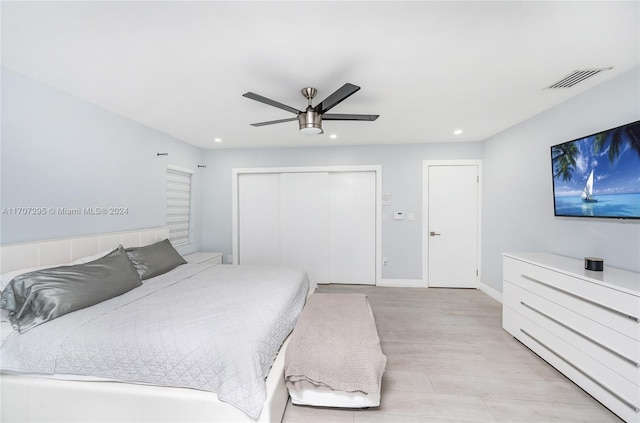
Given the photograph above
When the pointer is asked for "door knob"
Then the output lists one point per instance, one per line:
(434, 233)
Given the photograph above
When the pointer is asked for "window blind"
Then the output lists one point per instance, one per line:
(178, 204)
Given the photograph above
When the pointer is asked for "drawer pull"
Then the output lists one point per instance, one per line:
(577, 332)
(628, 403)
(613, 310)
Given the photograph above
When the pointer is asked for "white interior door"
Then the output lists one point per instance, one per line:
(453, 226)
(304, 227)
(258, 218)
(352, 216)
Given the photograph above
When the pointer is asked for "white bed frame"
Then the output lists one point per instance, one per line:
(33, 399)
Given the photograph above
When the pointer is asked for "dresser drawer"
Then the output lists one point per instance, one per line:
(618, 394)
(618, 352)
(615, 309)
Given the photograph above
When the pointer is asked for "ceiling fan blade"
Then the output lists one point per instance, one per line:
(334, 99)
(331, 116)
(270, 102)
(271, 122)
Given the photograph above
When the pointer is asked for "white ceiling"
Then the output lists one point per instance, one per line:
(427, 68)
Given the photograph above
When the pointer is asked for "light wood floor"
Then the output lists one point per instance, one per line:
(449, 360)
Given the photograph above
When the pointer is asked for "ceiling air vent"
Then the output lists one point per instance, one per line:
(576, 76)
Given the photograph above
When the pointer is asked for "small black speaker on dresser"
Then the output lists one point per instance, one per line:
(594, 263)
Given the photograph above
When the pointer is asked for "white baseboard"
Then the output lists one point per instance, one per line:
(496, 295)
(402, 283)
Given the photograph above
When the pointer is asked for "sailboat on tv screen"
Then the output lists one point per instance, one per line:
(587, 192)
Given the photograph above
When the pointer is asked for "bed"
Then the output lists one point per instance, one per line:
(154, 353)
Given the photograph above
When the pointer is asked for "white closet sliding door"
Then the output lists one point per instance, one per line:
(259, 218)
(304, 223)
(323, 222)
(352, 218)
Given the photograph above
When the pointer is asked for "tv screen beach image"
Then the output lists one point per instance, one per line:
(598, 175)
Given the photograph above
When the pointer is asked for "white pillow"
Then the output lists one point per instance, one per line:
(92, 257)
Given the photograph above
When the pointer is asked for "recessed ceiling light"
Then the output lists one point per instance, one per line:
(217, 139)
(333, 136)
(457, 131)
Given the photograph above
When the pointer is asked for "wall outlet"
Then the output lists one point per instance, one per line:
(385, 260)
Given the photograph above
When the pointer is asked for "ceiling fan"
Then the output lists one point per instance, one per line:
(310, 120)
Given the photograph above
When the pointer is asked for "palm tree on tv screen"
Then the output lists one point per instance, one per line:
(617, 138)
(564, 160)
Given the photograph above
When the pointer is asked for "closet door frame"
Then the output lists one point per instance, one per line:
(377, 169)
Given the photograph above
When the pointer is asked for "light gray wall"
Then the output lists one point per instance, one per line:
(60, 151)
(401, 176)
(517, 190)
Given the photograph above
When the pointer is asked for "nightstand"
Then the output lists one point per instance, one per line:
(210, 258)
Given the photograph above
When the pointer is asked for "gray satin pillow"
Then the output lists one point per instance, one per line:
(155, 259)
(36, 297)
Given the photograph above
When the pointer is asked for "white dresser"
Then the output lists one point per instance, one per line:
(584, 323)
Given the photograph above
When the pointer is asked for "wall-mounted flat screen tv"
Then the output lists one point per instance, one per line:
(598, 175)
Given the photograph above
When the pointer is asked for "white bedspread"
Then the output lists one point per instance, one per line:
(210, 328)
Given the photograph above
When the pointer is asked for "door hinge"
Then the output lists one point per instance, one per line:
(477, 272)
(478, 179)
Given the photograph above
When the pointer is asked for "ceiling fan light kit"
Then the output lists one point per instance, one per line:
(310, 123)
(310, 120)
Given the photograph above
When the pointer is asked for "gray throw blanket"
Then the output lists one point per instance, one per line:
(335, 345)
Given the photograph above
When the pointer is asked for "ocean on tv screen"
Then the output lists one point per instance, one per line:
(610, 205)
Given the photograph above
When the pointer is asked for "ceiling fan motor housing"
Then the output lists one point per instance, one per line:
(310, 122)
